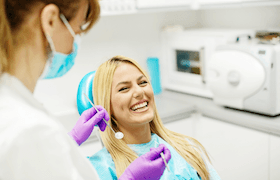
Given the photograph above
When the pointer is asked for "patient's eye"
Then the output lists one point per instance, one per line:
(143, 82)
(122, 89)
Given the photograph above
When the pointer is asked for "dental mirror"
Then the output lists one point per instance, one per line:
(118, 135)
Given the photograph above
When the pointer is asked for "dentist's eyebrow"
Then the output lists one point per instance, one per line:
(126, 82)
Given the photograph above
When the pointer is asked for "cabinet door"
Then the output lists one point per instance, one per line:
(274, 157)
(183, 126)
(161, 3)
(218, 1)
(236, 152)
(255, 0)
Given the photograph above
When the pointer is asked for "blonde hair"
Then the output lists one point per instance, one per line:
(13, 15)
(122, 155)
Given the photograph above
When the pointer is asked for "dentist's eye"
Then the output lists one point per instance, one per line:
(122, 89)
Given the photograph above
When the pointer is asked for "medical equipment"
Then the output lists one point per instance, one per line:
(162, 156)
(186, 56)
(246, 76)
(118, 135)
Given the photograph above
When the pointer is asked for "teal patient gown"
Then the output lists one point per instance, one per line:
(179, 168)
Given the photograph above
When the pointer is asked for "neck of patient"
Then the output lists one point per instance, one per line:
(137, 135)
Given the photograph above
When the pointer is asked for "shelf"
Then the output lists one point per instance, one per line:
(125, 7)
(240, 4)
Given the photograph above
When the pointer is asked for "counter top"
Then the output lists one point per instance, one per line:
(246, 119)
(171, 109)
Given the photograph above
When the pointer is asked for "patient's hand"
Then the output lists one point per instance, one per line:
(147, 166)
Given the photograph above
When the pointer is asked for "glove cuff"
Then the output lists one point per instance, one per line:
(127, 175)
(74, 137)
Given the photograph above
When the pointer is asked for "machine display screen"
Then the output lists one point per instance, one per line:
(188, 61)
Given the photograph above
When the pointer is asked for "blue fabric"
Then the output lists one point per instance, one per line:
(179, 168)
(104, 165)
(61, 63)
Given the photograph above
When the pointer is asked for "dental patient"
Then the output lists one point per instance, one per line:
(123, 88)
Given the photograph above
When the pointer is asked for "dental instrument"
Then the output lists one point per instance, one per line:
(118, 135)
(161, 154)
(164, 160)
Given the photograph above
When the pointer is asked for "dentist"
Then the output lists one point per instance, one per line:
(39, 40)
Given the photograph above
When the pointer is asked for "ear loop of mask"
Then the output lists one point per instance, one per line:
(68, 26)
(51, 43)
(63, 18)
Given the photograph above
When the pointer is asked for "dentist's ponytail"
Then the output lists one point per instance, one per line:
(6, 41)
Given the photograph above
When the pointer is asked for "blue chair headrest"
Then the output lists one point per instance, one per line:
(85, 86)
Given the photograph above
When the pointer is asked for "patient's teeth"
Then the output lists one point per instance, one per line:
(139, 106)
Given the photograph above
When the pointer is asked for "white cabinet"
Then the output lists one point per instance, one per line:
(236, 152)
(202, 2)
(118, 7)
(260, 2)
(274, 157)
(256, 0)
(161, 3)
(115, 7)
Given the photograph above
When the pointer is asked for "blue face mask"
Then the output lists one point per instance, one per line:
(58, 63)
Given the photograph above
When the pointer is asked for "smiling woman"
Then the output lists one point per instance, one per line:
(123, 88)
(132, 103)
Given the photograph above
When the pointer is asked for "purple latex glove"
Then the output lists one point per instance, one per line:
(147, 166)
(86, 123)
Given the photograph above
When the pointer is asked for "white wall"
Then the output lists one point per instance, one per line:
(137, 36)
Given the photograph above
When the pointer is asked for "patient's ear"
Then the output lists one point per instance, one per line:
(112, 112)
(114, 121)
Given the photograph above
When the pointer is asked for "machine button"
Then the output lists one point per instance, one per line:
(233, 78)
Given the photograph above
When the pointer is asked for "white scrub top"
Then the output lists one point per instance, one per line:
(33, 145)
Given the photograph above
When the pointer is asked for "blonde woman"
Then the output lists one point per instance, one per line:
(122, 87)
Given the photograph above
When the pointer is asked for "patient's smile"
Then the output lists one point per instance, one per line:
(140, 107)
